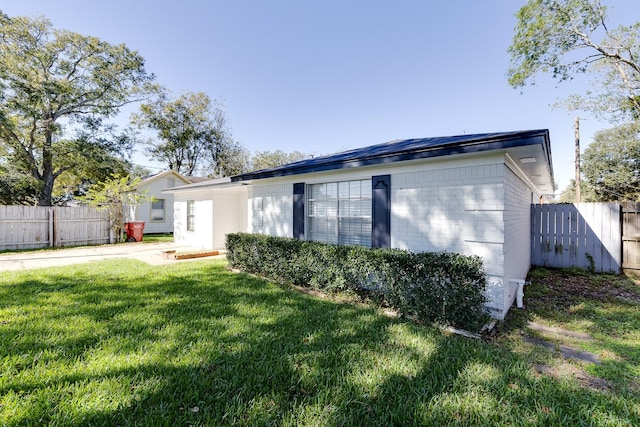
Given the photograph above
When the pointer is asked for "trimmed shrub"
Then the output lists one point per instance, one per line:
(430, 287)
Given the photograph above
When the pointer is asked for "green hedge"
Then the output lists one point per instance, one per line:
(440, 287)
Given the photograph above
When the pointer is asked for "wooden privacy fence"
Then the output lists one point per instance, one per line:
(27, 227)
(631, 235)
(584, 235)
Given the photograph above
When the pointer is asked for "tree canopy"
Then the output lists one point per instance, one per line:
(611, 163)
(570, 37)
(192, 135)
(115, 194)
(54, 85)
(270, 159)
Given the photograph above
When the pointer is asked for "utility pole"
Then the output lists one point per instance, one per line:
(577, 134)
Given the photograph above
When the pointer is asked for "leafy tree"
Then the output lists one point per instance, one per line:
(232, 159)
(192, 132)
(115, 194)
(587, 194)
(16, 188)
(270, 159)
(569, 37)
(611, 163)
(53, 81)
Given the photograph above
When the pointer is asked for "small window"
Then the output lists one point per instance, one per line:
(157, 210)
(191, 215)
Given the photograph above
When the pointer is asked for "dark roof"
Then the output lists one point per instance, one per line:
(410, 149)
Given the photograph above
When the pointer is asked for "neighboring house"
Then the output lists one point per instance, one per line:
(469, 194)
(157, 213)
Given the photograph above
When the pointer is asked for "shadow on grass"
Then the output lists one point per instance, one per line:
(605, 306)
(117, 343)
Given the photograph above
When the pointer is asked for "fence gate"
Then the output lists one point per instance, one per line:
(631, 235)
(584, 235)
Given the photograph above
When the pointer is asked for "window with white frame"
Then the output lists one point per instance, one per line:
(191, 215)
(157, 210)
(340, 212)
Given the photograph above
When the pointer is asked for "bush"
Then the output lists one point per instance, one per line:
(440, 287)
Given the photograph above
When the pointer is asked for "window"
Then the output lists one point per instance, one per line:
(340, 212)
(191, 215)
(157, 210)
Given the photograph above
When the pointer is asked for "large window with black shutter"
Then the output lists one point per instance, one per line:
(340, 212)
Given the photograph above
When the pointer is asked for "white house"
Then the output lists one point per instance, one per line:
(157, 214)
(469, 194)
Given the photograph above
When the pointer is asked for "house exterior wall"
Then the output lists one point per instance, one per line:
(456, 209)
(517, 248)
(143, 211)
(271, 209)
(227, 217)
(202, 234)
(217, 213)
(474, 205)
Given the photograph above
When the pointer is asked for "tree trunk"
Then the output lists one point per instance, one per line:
(44, 198)
(577, 158)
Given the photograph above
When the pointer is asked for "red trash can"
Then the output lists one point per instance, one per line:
(134, 231)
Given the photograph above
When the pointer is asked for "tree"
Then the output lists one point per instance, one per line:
(231, 159)
(16, 188)
(270, 159)
(114, 195)
(611, 163)
(570, 37)
(192, 133)
(54, 81)
(568, 195)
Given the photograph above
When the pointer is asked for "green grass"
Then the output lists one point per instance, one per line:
(125, 343)
(607, 307)
(161, 237)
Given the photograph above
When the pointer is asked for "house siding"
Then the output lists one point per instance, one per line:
(276, 215)
(517, 248)
(457, 209)
(154, 189)
(473, 205)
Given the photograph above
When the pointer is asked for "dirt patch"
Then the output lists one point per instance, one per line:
(570, 287)
(568, 370)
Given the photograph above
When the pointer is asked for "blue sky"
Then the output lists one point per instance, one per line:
(324, 76)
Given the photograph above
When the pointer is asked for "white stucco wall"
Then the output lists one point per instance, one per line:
(229, 215)
(202, 234)
(217, 213)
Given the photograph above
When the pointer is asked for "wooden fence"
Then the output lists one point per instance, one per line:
(631, 235)
(27, 227)
(584, 235)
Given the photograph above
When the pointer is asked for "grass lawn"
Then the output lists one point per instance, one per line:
(159, 237)
(125, 343)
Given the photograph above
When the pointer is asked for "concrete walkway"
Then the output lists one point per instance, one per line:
(150, 253)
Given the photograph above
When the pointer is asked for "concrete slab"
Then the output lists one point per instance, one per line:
(151, 253)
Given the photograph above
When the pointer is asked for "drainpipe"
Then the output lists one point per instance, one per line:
(520, 291)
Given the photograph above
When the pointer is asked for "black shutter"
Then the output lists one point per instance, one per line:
(381, 212)
(298, 211)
